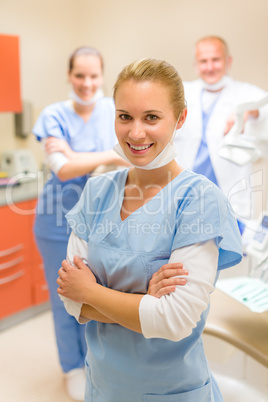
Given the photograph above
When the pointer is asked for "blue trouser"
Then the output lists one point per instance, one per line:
(70, 335)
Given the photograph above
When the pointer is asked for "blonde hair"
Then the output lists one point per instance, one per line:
(156, 71)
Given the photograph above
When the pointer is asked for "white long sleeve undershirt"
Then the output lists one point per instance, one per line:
(55, 160)
(76, 246)
(173, 316)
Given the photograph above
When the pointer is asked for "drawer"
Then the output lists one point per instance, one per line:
(14, 229)
(37, 271)
(34, 252)
(11, 258)
(40, 292)
(15, 290)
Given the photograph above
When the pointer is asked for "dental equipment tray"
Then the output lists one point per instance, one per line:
(252, 292)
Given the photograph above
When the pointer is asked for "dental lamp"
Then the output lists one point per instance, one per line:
(242, 148)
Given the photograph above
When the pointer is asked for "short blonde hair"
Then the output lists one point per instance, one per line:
(156, 71)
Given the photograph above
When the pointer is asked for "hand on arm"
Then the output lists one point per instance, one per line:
(72, 283)
(82, 313)
(53, 144)
(165, 280)
(175, 316)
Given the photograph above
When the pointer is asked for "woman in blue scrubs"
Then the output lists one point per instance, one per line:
(79, 136)
(134, 228)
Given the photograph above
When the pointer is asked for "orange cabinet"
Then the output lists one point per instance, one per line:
(39, 284)
(22, 281)
(10, 98)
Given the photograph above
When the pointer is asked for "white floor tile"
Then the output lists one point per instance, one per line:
(29, 368)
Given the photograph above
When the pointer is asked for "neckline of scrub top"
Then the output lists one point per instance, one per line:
(124, 179)
(69, 104)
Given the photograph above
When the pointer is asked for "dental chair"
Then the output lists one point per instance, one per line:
(236, 335)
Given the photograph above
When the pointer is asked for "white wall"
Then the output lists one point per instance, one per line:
(127, 30)
(123, 31)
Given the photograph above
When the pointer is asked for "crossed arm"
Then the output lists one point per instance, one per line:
(68, 164)
(77, 282)
(169, 310)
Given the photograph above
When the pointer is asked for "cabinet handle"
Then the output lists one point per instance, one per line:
(10, 264)
(11, 250)
(11, 278)
(41, 266)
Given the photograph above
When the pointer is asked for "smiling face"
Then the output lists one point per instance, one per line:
(86, 75)
(211, 60)
(145, 119)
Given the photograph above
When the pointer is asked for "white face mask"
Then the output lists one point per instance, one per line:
(217, 85)
(77, 99)
(167, 155)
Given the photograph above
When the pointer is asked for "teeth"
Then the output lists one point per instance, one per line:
(139, 148)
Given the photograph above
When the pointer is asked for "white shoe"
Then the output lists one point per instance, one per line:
(75, 383)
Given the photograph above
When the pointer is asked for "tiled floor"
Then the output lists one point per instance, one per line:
(29, 368)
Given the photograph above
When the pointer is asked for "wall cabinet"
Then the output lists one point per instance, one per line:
(22, 280)
(10, 97)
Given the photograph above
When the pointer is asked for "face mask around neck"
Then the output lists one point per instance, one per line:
(217, 85)
(167, 155)
(73, 96)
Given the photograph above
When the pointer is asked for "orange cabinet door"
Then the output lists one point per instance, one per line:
(14, 228)
(15, 274)
(40, 292)
(10, 98)
(15, 287)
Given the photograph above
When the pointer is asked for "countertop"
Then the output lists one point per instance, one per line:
(27, 189)
(236, 324)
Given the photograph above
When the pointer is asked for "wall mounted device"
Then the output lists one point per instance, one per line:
(24, 120)
(18, 163)
(242, 148)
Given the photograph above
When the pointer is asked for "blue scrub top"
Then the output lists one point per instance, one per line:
(61, 121)
(121, 364)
